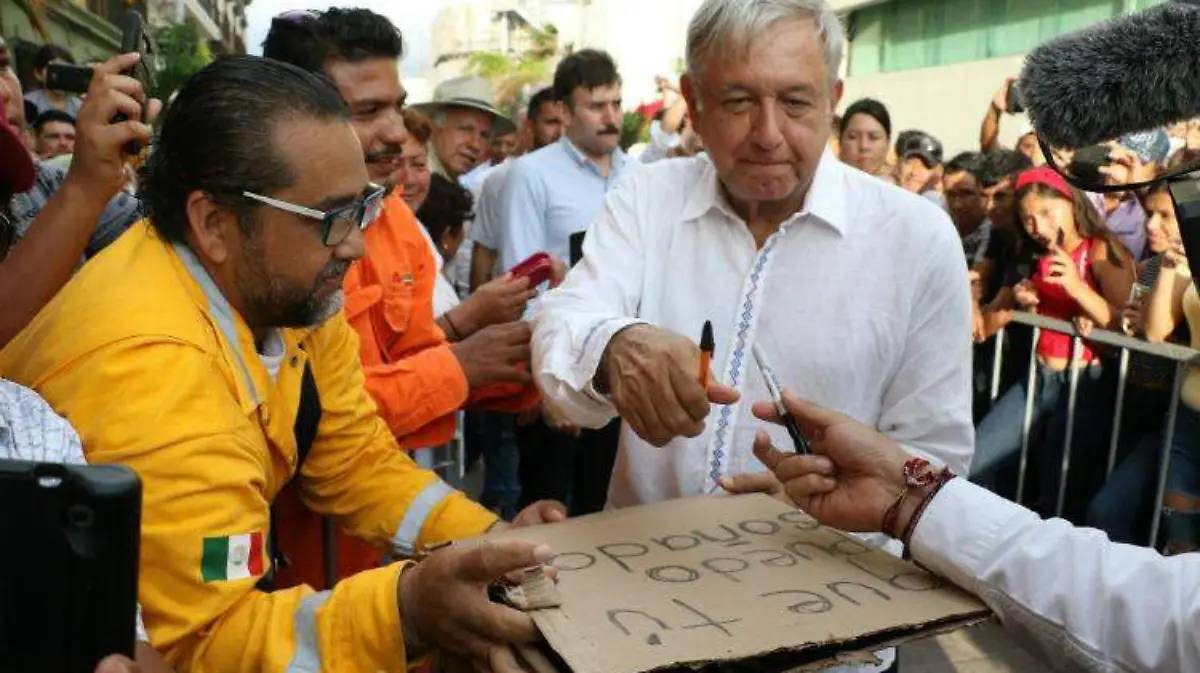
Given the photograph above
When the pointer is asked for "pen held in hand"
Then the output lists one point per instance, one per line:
(789, 422)
(707, 346)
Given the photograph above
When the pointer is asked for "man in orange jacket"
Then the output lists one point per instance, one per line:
(416, 376)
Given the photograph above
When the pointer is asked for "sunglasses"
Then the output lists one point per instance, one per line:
(297, 15)
(336, 224)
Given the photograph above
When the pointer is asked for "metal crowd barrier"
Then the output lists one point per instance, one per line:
(450, 460)
(1180, 355)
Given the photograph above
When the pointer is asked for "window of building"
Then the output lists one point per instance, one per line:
(910, 34)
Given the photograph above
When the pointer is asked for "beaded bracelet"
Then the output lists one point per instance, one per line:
(941, 480)
(916, 475)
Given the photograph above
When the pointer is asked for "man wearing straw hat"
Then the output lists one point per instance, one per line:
(464, 120)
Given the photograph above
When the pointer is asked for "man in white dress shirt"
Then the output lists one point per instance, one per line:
(856, 289)
(544, 123)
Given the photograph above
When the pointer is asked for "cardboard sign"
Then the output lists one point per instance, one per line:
(724, 579)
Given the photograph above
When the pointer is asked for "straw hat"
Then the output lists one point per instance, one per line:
(468, 92)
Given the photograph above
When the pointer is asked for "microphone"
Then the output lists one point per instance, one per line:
(1132, 73)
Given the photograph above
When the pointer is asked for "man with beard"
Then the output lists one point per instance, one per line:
(549, 196)
(206, 350)
(544, 124)
(417, 377)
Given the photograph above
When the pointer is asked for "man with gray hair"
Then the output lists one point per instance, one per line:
(854, 288)
(464, 123)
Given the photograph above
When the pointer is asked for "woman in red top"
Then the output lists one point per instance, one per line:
(1081, 275)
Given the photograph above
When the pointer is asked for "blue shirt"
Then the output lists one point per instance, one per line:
(549, 195)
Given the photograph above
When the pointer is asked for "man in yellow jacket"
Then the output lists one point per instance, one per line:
(206, 349)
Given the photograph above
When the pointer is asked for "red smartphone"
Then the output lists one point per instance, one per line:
(538, 268)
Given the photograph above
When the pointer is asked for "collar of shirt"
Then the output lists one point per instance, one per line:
(434, 162)
(618, 158)
(825, 200)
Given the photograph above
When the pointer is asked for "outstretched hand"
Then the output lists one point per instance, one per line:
(850, 480)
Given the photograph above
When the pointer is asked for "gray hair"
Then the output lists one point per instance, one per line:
(728, 26)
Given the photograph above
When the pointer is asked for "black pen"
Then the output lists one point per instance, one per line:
(776, 391)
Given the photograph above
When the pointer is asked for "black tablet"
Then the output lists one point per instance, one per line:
(69, 565)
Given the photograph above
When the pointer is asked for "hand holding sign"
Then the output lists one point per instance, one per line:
(444, 601)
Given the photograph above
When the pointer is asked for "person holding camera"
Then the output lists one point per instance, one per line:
(66, 224)
(32, 273)
(1007, 101)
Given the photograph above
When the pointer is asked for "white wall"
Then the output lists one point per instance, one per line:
(645, 37)
(949, 102)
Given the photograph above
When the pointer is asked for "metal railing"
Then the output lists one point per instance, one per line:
(450, 459)
(1182, 356)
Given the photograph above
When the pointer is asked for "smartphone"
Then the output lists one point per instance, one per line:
(135, 38)
(538, 268)
(1014, 100)
(576, 241)
(77, 78)
(69, 574)
(1137, 291)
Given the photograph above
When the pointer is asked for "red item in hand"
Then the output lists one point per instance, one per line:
(538, 268)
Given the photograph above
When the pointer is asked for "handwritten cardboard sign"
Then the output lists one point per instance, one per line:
(725, 579)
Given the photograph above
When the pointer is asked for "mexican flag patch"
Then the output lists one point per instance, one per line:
(236, 557)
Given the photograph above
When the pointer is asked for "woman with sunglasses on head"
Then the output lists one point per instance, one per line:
(1080, 275)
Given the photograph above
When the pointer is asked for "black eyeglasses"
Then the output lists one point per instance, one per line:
(336, 224)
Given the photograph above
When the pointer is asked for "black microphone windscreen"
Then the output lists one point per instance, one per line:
(1132, 73)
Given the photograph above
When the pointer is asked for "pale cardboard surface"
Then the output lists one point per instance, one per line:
(727, 579)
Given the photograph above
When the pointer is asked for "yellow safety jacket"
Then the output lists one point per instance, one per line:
(154, 368)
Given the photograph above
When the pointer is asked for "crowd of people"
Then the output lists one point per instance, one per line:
(1115, 261)
(318, 279)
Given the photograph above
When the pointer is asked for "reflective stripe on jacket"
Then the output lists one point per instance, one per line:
(153, 367)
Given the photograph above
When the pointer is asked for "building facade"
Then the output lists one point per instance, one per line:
(221, 22)
(462, 29)
(645, 38)
(84, 27)
(935, 63)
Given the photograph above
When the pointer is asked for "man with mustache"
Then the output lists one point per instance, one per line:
(418, 378)
(207, 350)
(550, 195)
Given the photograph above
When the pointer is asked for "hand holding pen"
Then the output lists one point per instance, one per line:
(799, 441)
(650, 376)
(707, 346)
